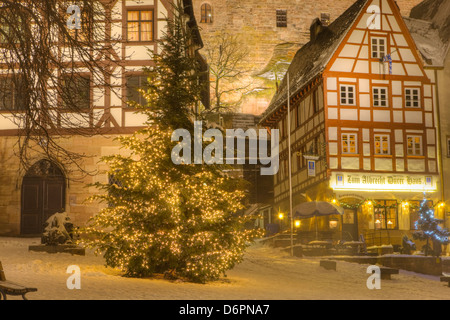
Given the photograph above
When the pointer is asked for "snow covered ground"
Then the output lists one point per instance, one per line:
(266, 274)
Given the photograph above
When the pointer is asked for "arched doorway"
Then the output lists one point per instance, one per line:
(43, 194)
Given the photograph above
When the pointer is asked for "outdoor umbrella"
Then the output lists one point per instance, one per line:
(316, 209)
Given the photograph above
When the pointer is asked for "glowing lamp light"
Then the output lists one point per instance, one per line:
(377, 221)
(389, 222)
(280, 216)
(369, 203)
(442, 204)
(334, 201)
(297, 223)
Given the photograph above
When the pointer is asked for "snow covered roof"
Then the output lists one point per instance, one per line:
(429, 25)
(313, 57)
(426, 36)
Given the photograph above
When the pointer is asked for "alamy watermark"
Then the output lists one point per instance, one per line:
(74, 21)
(216, 152)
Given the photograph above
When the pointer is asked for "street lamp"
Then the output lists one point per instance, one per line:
(281, 217)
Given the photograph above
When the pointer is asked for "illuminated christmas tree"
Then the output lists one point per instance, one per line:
(182, 220)
(429, 229)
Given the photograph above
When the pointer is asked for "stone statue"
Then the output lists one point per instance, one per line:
(58, 230)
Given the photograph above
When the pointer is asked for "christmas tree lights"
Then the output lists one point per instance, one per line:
(160, 217)
(429, 229)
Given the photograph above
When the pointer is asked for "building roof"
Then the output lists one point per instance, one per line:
(429, 25)
(313, 57)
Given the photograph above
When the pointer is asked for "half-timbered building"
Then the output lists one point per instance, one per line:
(27, 199)
(363, 125)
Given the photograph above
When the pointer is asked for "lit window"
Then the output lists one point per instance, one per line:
(385, 215)
(140, 25)
(206, 13)
(349, 143)
(281, 18)
(380, 97)
(379, 47)
(382, 144)
(412, 98)
(347, 95)
(414, 145)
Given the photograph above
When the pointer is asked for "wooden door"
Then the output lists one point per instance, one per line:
(350, 225)
(43, 194)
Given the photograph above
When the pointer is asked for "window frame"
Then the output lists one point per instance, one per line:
(14, 94)
(281, 18)
(347, 93)
(356, 143)
(414, 146)
(385, 211)
(206, 15)
(141, 100)
(382, 135)
(412, 101)
(85, 76)
(378, 45)
(139, 21)
(380, 100)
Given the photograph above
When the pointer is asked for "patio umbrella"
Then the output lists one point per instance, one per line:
(311, 209)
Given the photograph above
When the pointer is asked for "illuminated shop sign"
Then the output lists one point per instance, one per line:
(382, 182)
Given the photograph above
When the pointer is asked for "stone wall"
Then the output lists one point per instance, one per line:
(76, 189)
(255, 23)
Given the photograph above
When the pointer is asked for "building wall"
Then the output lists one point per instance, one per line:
(110, 113)
(255, 23)
(443, 81)
(77, 190)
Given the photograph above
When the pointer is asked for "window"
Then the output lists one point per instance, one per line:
(349, 143)
(206, 13)
(281, 18)
(12, 93)
(414, 145)
(379, 47)
(301, 161)
(380, 97)
(382, 144)
(347, 95)
(315, 102)
(134, 83)
(385, 214)
(75, 92)
(140, 25)
(448, 147)
(13, 34)
(412, 98)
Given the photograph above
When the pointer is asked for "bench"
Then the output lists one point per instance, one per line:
(387, 272)
(11, 288)
(446, 279)
(328, 264)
